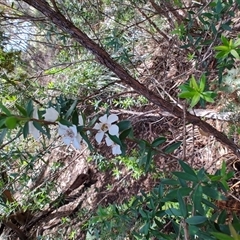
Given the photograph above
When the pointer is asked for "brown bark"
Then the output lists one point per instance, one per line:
(104, 58)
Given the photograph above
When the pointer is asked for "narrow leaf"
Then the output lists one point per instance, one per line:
(4, 109)
(187, 168)
(197, 198)
(158, 141)
(221, 236)
(193, 83)
(124, 125)
(186, 176)
(172, 147)
(196, 220)
(186, 94)
(182, 205)
(195, 100)
(21, 110)
(70, 110)
(202, 83)
(234, 53)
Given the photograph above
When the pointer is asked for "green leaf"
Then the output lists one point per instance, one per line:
(125, 133)
(209, 204)
(25, 130)
(213, 28)
(186, 88)
(219, 7)
(182, 205)
(224, 41)
(11, 122)
(195, 100)
(186, 94)
(234, 53)
(2, 122)
(75, 117)
(29, 108)
(222, 48)
(233, 232)
(214, 178)
(21, 110)
(173, 212)
(70, 110)
(222, 217)
(148, 159)
(237, 42)
(226, 27)
(187, 168)
(186, 176)
(201, 174)
(222, 55)
(158, 141)
(207, 97)
(39, 127)
(172, 195)
(3, 134)
(213, 193)
(172, 147)
(169, 182)
(124, 125)
(202, 83)
(4, 109)
(115, 139)
(145, 228)
(197, 198)
(221, 236)
(85, 138)
(223, 168)
(65, 122)
(193, 83)
(196, 220)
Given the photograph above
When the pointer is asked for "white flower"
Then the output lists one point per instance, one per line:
(70, 135)
(32, 130)
(51, 114)
(80, 120)
(116, 149)
(106, 125)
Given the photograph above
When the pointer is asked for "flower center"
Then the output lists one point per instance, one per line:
(70, 133)
(104, 127)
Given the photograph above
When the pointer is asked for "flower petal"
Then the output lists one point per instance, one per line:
(35, 113)
(103, 119)
(33, 131)
(73, 129)
(109, 141)
(99, 137)
(116, 149)
(51, 114)
(76, 143)
(62, 129)
(97, 126)
(114, 130)
(79, 137)
(67, 140)
(80, 120)
(112, 118)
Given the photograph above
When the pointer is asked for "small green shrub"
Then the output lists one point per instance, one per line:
(179, 207)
